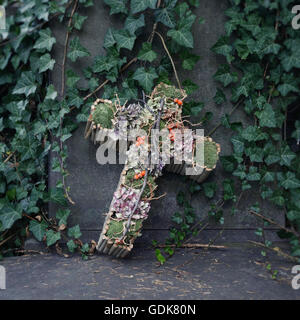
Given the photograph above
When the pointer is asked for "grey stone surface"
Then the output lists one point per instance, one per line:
(92, 185)
(238, 272)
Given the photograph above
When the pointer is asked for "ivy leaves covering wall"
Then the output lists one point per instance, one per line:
(36, 118)
(262, 69)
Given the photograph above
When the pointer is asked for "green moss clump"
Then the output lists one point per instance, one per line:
(137, 184)
(116, 228)
(103, 115)
(165, 90)
(211, 154)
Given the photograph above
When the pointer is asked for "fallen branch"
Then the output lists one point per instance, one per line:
(191, 245)
(30, 251)
(275, 249)
(275, 223)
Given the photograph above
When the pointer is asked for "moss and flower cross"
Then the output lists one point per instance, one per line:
(131, 201)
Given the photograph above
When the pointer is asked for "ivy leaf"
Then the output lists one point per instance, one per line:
(238, 145)
(291, 58)
(222, 47)
(255, 154)
(219, 97)
(74, 98)
(103, 63)
(228, 186)
(294, 194)
(117, 6)
(51, 93)
(9, 215)
(189, 86)
(78, 21)
(293, 215)
(160, 258)
(228, 163)
(225, 76)
(27, 147)
(141, 5)
(52, 237)
(188, 60)
(229, 27)
(209, 189)
(132, 24)
(74, 232)
(124, 39)
(26, 84)
(38, 229)
(266, 116)
(109, 39)
(62, 216)
(245, 185)
(57, 195)
(165, 16)
(225, 121)
(267, 176)
(271, 48)
(46, 63)
(240, 172)
(77, 50)
(192, 108)
(239, 91)
(183, 37)
(196, 108)
(286, 88)
(186, 17)
(72, 78)
(277, 198)
(272, 157)
(146, 53)
(290, 181)
(45, 41)
(145, 77)
(296, 133)
(253, 133)
(286, 155)
(253, 175)
(71, 245)
(177, 218)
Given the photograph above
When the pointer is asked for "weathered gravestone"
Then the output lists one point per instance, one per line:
(92, 185)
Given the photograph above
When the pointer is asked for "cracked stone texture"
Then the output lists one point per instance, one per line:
(237, 272)
(92, 185)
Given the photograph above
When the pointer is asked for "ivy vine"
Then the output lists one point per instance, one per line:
(259, 75)
(261, 50)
